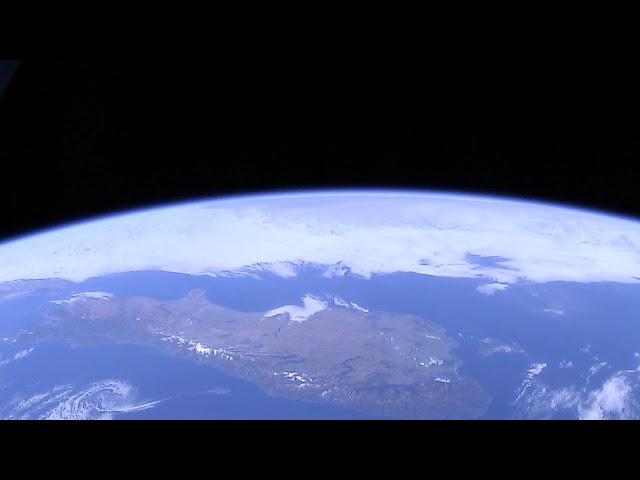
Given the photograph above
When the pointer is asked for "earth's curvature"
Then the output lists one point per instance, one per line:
(329, 304)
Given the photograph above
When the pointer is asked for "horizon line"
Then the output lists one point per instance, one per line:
(391, 192)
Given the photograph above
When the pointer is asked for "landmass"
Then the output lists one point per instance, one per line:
(379, 363)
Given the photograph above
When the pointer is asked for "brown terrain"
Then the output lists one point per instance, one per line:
(382, 364)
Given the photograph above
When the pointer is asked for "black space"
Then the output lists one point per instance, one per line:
(85, 138)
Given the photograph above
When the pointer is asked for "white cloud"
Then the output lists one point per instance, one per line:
(529, 381)
(282, 269)
(17, 356)
(536, 369)
(83, 296)
(613, 401)
(355, 306)
(596, 368)
(337, 270)
(310, 306)
(364, 233)
(341, 302)
(565, 364)
(96, 401)
(491, 288)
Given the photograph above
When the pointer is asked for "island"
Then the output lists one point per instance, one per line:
(379, 363)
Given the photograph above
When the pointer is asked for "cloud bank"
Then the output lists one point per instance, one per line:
(363, 233)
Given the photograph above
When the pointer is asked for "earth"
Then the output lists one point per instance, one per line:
(325, 305)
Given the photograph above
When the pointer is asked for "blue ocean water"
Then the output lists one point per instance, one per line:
(23, 312)
(186, 389)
